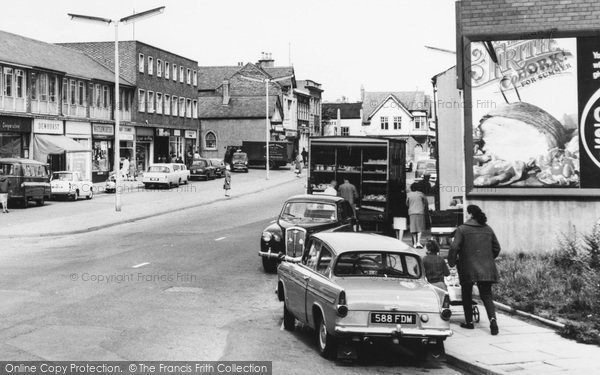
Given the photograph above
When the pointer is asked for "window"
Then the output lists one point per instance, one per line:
(194, 108)
(65, 91)
(141, 63)
(105, 97)
(188, 109)
(150, 102)
(20, 83)
(324, 260)
(43, 86)
(159, 103)
(81, 96)
(345, 131)
(150, 65)
(313, 254)
(167, 103)
(419, 122)
(189, 76)
(73, 92)
(195, 78)
(52, 88)
(34, 86)
(141, 101)
(97, 95)
(8, 81)
(174, 72)
(174, 107)
(167, 70)
(397, 122)
(181, 72)
(123, 100)
(210, 141)
(158, 68)
(384, 123)
(181, 107)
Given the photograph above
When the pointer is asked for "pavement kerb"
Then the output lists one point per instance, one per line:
(127, 221)
(469, 367)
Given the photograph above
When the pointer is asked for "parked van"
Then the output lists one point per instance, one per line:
(27, 180)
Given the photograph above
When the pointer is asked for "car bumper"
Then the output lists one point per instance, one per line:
(240, 167)
(398, 331)
(268, 254)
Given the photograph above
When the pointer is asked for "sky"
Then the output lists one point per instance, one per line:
(341, 44)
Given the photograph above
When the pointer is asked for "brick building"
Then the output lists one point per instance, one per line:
(528, 71)
(164, 121)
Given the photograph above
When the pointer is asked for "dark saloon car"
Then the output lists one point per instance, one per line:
(301, 216)
(219, 165)
(202, 168)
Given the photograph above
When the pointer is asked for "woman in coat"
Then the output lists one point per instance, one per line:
(227, 182)
(473, 250)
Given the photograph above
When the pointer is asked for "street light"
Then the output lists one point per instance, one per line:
(125, 20)
(267, 127)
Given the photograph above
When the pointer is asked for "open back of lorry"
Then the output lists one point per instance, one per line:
(374, 165)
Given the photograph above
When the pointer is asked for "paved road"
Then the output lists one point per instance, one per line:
(181, 286)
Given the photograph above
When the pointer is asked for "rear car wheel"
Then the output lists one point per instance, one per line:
(327, 343)
(289, 322)
(76, 195)
(269, 265)
(40, 202)
(90, 195)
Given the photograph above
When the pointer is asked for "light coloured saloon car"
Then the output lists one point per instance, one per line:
(356, 288)
(162, 174)
(71, 185)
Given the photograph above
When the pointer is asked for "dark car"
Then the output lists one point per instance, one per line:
(301, 216)
(202, 168)
(239, 162)
(219, 167)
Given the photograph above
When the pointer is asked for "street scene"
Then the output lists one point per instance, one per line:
(185, 189)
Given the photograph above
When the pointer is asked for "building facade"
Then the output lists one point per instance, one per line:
(164, 121)
(311, 111)
(343, 119)
(53, 102)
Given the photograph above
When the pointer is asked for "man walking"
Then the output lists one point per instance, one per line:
(4, 191)
(348, 192)
(305, 156)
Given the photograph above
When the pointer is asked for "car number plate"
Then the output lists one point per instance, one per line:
(393, 318)
(153, 179)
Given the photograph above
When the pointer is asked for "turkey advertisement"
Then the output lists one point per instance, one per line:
(525, 113)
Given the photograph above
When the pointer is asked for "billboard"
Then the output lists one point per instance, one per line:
(526, 98)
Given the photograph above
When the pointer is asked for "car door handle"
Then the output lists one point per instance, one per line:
(305, 278)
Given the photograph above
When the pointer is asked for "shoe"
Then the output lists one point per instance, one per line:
(418, 246)
(493, 327)
(467, 325)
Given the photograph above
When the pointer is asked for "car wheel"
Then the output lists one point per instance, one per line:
(326, 342)
(421, 352)
(90, 195)
(40, 202)
(269, 265)
(25, 202)
(289, 322)
(76, 195)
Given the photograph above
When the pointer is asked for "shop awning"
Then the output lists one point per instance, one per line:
(46, 144)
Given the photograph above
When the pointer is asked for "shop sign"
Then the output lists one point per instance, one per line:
(126, 133)
(190, 134)
(291, 133)
(102, 130)
(79, 128)
(161, 132)
(144, 138)
(47, 126)
(15, 124)
(278, 128)
(176, 132)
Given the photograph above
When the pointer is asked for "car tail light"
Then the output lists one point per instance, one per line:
(446, 303)
(446, 314)
(342, 310)
(342, 298)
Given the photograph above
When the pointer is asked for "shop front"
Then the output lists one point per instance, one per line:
(81, 132)
(190, 145)
(127, 148)
(176, 144)
(51, 146)
(15, 133)
(103, 136)
(161, 145)
(144, 138)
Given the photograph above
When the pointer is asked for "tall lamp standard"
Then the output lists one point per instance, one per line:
(267, 127)
(125, 20)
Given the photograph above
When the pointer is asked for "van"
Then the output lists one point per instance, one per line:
(427, 166)
(28, 180)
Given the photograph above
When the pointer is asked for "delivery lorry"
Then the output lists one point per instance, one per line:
(280, 153)
(374, 165)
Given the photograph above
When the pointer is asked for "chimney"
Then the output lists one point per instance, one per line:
(225, 92)
(266, 61)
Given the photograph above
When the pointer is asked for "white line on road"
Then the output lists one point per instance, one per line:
(140, 265)
(281, 328)
(220, 238)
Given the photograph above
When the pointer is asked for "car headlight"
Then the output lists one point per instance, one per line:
(266, 236)
(276, 237)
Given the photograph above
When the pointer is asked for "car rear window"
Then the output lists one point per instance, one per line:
(157, 168)
(378, 264)
(62, 176)
(200, 163)
(239, 156)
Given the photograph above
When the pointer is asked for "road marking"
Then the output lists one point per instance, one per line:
(140, 265)
(220, 238)
(281, 328)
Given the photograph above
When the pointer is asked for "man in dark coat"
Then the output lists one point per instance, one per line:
(473, 250)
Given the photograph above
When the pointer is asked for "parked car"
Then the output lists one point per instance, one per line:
(111, 183)
(358, 288)
(300, 217)
(427, 166)
(219, 167)
(182, 171)
(27, 180)
(70, 184)
(161, 174)
(239, 162)
(202, 168)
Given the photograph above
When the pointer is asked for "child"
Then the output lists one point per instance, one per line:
(227, 182)
(435, 266)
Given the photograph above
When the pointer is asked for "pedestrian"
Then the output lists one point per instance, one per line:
(305, 156)
(179, 159)
(473, 251)
(196, 154)
(298, 165)
(348, 192)
(417, 204)
(227, 182)
(4, 191)
(125, 168)
(425, 185)
(435, 266)
(330, 190)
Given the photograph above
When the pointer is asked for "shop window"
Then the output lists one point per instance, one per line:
(397, 122)
(97, 95)
(159, 103)
(141, 63)
(210, 141)
(189, 108)
(174, 72)
(384, 123)
(167, 104)
(65, 91)
(181, 74)
(43, 86)
(345, 131)
(141, 101)
(150, 65)
(167, 70)
(174, 106)
(8, 81)
(158, 68)
(195, 78)
(150, 102)
(34, 86)
(419, 122)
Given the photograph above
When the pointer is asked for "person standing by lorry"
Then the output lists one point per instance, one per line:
(4, 191)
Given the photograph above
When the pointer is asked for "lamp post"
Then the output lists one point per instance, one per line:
(125, 20)
(267, 127)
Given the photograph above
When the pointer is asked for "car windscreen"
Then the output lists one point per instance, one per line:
(158, 168)
(199, 163)
(426, 165)
(239, 156)
(309, 210)
(378, 264)
(62, 176)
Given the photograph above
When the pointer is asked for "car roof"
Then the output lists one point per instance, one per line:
(342, 242)
(65, 172)
(21, 160)
(315, 198)
(161, 165)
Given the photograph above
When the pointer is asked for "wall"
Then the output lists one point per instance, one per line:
(231, 132)
(390, 109)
